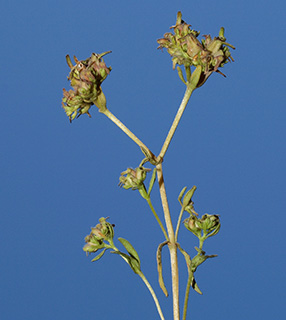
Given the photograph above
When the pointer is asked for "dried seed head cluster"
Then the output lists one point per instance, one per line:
(100, 233)
(133, 178)
(85, 77)
(185, 49)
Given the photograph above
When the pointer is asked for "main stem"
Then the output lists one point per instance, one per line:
(172, 243)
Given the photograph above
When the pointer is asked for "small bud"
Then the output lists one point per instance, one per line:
(210, 224)
(206, 226)
(133, 178)
(193, 224)
(100, 233)
(104, 228)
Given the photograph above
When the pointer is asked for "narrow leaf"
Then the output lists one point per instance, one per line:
(188, 196)
(99, 255)
(153, 179)
(195, 286)
(180, 73)
(133, 263)
(123, 255)
(128, 246)
(191, 279)
(195, 77)
(181, 195)
(159, 267)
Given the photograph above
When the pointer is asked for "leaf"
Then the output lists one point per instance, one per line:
(191, 279)
(195, 77)
(180, 73)
(99, 255)
(195, 286)
(128, 246)
(188, 196)
(152, 180)
(181, 195)
(159, 268)
(133, 263)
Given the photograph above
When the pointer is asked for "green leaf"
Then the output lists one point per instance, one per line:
(152, 180)
(200, 258)
(180, 73)
(188, 196)
(133, 263)
(181, 195)
(195, 77)
(99, 255)
(128, 246)
(195, 286)
(191, 279)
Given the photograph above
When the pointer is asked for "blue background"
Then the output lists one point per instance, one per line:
(58, 179)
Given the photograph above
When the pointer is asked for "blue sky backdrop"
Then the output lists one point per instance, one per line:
(58, 179)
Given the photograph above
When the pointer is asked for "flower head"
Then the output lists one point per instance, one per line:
(85, 77)
(133, 178)
(103, 231)
(185, 49)
(206, 226)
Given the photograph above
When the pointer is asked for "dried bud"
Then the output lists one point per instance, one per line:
(85, 77)
(177, 43)
(74, 105)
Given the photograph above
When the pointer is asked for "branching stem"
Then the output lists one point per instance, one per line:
(130, 134)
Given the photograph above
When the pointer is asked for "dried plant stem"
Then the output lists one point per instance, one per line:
(178, 224)
(176, 121)
(141, 275)
(157, 218)
(130, 134)
(172, 243)
(172, 237)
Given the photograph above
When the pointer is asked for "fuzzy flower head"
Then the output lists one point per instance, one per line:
(206, 226)
(185, 49)
(100, 233)
(85, 77)
(133, 178)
